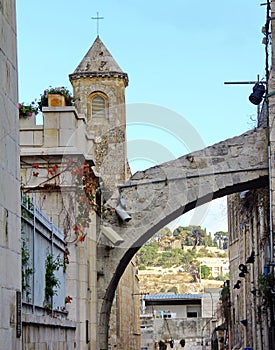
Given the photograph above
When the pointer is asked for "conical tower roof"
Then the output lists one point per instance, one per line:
(98, 62)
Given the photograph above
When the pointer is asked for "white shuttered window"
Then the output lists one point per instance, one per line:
(98, 106)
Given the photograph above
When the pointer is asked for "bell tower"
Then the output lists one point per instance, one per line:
(99, 91)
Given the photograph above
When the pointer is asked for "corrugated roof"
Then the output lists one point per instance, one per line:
(172, 296)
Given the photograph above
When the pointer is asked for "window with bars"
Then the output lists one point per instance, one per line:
(98, 106)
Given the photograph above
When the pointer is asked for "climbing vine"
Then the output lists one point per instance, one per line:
(266, 286)
(52, 265)
(26, 270)
(84, 186)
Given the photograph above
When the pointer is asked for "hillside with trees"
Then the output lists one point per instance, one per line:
(178, 261)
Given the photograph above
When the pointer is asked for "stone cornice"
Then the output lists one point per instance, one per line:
(119, 75)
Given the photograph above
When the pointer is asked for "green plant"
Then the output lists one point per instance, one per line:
(266, 285)
(85, 183)
(174, 290)
(205, 271)
(220, 278)
(26, 271)
(56, 90)
(26, 111)
(52, 265)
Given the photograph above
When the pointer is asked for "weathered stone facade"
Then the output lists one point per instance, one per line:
(154, 197)
(59, 139)
(248, 214)
(10, 249)
(68, 136)
(160, 194)
(98, 75)
(251, 222)
(125, 323)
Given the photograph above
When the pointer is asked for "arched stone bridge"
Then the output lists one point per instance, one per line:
(162, 193)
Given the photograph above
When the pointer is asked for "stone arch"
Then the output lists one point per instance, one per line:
(160, 194)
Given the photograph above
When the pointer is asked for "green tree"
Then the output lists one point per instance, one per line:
(208, 240)
(205, 271)
(170, 258)
(188, 258)
(148, 253)
(221, 238)
(174, 289)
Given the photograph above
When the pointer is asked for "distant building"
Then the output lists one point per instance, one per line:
(218, 266)
(173, 317)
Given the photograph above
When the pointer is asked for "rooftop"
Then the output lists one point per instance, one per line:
(170, 296)
(98, 62)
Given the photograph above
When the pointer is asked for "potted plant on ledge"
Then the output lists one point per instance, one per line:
(26, 111)
(56, 97)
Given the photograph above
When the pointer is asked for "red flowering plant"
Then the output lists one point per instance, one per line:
(86, 184)
(69, 100)
(26, 111)
(68, 299)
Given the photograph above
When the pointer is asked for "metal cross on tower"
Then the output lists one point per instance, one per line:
(97, 18)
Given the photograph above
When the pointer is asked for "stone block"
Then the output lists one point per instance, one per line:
(67, 138)
(67, 120)
(12, 151)
(26, 138)
(51, 138)
(13, 271)
(5, 338)
(5, 299)
(38, 138)
(51, 120)
(41, 346)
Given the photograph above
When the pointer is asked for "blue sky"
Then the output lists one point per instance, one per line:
(177, 54)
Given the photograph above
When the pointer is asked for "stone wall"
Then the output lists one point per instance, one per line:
(160, 194)
(252, 229)
(10, 248)
(46, 333)
(125, 317)
(192, 330)
(61, 139)
(248, 215)
(109, 132)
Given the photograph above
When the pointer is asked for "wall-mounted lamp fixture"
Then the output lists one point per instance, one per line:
(237, 285)
(121, 210)
(243, 270)
(257, 94)
(251, 258)
(253, 291)
(182, 343)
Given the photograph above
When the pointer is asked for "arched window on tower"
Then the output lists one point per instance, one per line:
(99, 105)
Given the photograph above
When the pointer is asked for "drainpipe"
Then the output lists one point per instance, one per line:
(270, 205)
(268, 30)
